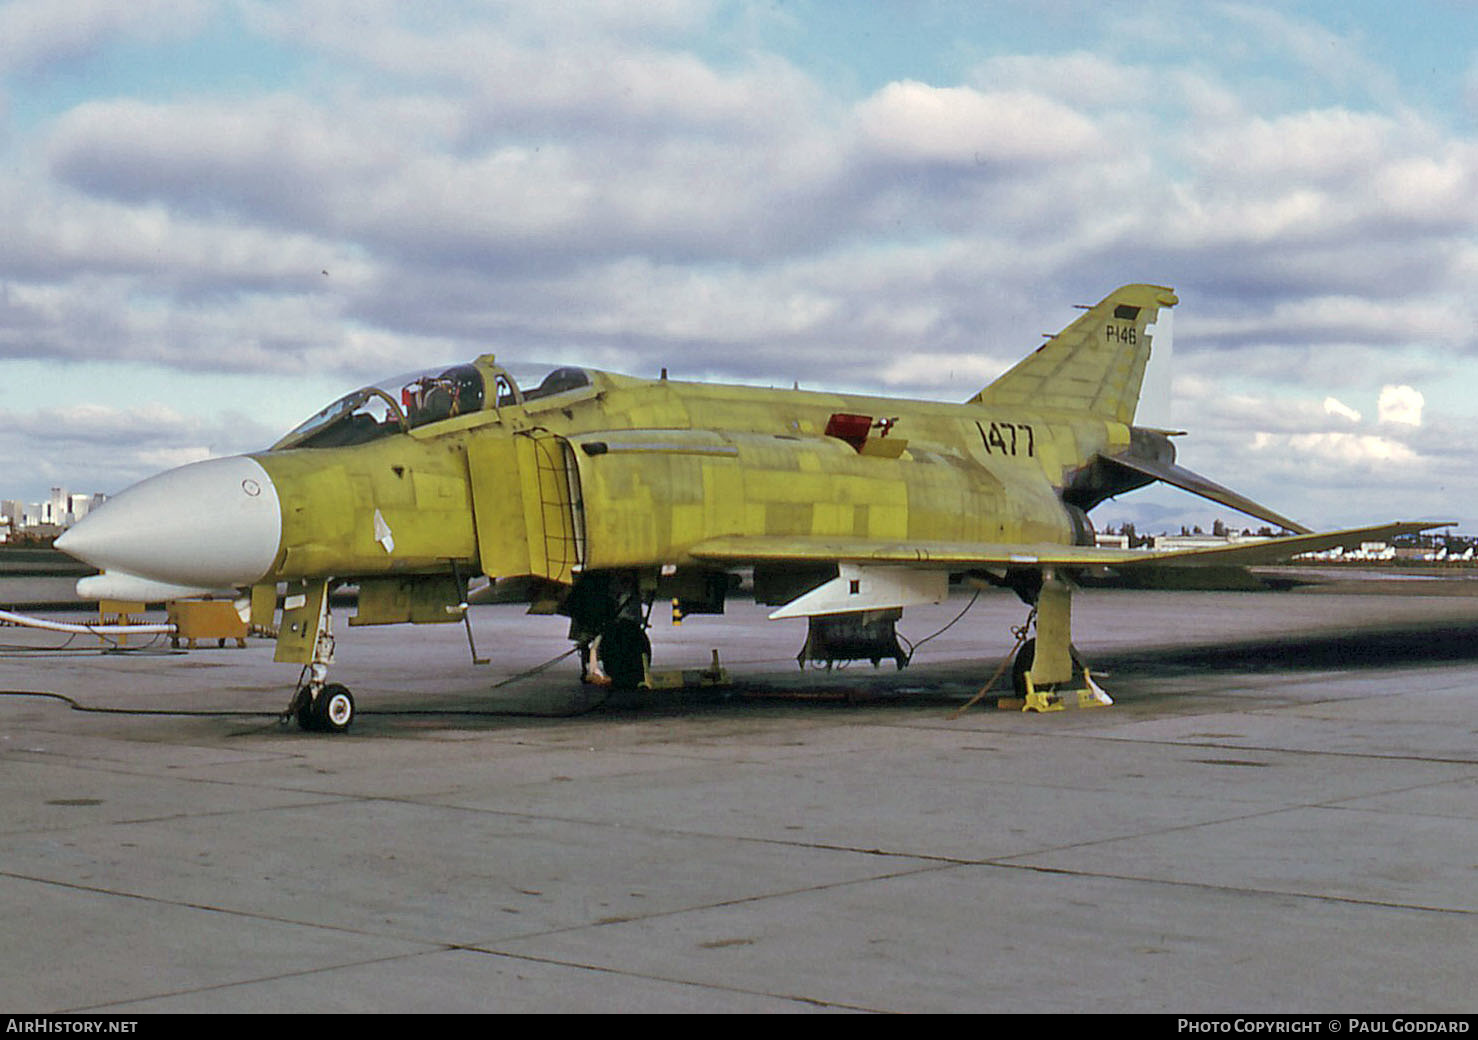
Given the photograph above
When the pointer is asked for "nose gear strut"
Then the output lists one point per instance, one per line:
(307, 634)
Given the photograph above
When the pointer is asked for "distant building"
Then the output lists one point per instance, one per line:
(60, 511)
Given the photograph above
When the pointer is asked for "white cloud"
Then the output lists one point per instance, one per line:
(1346, 449)
(1436, 189)
(1334, 406)
(961, 126)
(1401, 405)
(1319, 146)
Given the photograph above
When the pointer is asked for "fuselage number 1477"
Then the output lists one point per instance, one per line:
(1008, 438)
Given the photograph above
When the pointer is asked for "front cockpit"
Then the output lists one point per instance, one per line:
(432, 397)
(404, 403)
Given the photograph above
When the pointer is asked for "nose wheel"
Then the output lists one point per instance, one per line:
(331, 710)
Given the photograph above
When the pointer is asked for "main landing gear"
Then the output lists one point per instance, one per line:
(608, 615)
(1047, 671)
(1038, 695)
(624, 653)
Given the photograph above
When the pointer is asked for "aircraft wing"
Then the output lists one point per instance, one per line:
(1273, 550)
(741, 549)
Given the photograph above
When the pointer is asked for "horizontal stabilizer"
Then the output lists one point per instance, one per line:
(1186, 480)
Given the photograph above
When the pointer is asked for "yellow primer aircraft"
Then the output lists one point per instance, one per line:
(596, 494)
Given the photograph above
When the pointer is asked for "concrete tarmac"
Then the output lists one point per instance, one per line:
(1278, 815)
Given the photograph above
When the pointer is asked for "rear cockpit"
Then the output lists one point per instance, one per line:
(407, 402)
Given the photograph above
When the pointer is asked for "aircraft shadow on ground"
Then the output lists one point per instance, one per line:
(1387, 647)
(1366, 648)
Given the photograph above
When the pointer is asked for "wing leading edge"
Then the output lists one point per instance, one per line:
(736, 550)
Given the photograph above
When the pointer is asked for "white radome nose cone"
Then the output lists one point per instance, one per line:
(209, 524)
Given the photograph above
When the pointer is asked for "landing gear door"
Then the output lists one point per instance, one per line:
(527, 506)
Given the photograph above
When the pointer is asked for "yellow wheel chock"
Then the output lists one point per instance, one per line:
(1050, 699)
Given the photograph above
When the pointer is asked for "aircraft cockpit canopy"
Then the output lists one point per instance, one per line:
(405, 402)
(560, 381)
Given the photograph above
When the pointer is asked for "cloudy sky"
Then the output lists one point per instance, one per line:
(218, 215)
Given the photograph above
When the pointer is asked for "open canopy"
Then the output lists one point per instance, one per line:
(405, 402)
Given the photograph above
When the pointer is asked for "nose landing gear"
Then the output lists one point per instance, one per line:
(307, 635)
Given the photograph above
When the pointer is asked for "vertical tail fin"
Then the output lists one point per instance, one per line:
(1097, 363)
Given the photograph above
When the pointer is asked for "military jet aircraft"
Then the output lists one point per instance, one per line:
(595, 494)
